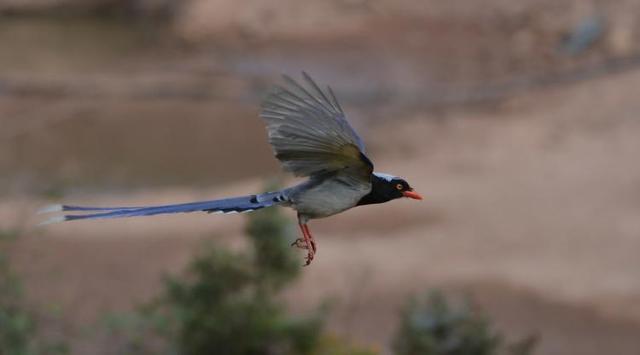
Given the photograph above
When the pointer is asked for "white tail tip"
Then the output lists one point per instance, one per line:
(50, 209)
(56, 219)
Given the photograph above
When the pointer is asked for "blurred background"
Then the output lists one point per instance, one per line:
(517, 120)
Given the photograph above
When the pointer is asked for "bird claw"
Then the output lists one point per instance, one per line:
(300, 243)
(308, 258)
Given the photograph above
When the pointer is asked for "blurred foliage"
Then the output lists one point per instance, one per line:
(271, 233)
(229, 307)
(18, 328)
(432, 326)
(227, 303)
(331, 345)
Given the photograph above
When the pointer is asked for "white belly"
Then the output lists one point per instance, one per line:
(328, 198)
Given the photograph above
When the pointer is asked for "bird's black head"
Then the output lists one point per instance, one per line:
(386, 187)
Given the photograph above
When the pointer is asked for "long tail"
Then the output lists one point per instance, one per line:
(227, 205)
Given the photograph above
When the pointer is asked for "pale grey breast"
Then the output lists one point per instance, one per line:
(326, 197)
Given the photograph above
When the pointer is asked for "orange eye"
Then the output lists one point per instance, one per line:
(399, 187)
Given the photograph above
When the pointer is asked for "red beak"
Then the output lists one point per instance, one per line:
(412, 194)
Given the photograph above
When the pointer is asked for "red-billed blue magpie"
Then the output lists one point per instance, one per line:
(311, 137)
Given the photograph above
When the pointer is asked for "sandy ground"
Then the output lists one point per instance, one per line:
(531, 207)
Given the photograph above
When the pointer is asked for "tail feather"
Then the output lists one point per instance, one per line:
(65, 208)
(228, 205)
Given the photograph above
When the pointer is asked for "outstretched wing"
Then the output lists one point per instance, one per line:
(309, 131)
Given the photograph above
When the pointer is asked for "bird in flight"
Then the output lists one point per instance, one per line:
(311, 137)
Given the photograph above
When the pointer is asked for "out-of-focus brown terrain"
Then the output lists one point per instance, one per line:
(527, 156)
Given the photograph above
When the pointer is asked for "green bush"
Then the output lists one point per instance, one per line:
(432, 326)
(330, 345)
(228, 308)
(18, 328)
(227, 302)
(271, 234)
(16, 325)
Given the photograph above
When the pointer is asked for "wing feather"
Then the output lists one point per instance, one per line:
(309, 131)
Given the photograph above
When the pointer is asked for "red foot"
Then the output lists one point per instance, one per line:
(300, 243)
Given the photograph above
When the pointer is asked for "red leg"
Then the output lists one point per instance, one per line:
(313, 241)
(309, 243)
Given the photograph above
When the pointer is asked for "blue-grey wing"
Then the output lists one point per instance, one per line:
(309, 132)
